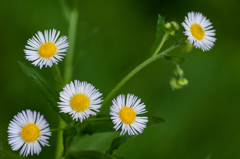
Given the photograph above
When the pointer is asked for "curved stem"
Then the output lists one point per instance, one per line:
(161, 43)
(58, 129)
(138, 68)
(59, 74)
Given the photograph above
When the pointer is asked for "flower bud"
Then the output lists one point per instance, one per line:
(186, 46)
(179, 72)
(172, 32)
(175, 26)
(167, 26)
(174, 84)
(183, 82)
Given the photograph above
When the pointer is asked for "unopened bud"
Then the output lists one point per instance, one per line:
(172, 32)
(175, 26)
(174, 84)
(167, 26)
(186, 46)
(180, 72)
(183, 82)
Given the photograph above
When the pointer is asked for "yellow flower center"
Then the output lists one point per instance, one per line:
(30, 132)
(127, 115)
(197, 31)
(79, 102)
(47, 49)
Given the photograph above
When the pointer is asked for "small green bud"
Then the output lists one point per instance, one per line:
(186, 46)
(167, 26)
(172, 32)
(183, 82)
(175, 26)
(180, 72)
(174, 84)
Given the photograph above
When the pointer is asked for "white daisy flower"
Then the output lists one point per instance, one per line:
(28, 130)
(125, 115)
(198, 30)
(46, 49)
(80, 99)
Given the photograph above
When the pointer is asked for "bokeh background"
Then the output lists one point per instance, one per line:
(113, 37)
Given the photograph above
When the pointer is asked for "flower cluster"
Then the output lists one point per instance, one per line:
(29, 130)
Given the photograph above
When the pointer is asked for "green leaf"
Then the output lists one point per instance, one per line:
(174, 59)
(152, 121)
(68, 135)
(117, 142)
(50, 94)
(97, 125)
(88, 154)
(4, 154)
(159, 33)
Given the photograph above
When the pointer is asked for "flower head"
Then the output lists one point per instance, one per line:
(124, 114)
(80, 99)
(198, 30)
(28, 130)
(46, 49)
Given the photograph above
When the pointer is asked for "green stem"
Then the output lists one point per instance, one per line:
(96, 119)
(138, 68)
(68, 70)
(161, 43)
(59, 146)
(179, 72)
(59, 74)
(70, 54)
(58, 129)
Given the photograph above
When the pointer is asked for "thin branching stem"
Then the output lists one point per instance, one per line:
(138, 68)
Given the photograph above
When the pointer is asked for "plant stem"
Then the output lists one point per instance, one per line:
(58, 129)
(97, 119)
(59, 74)
(138, 68)
(68, 69)
(161, 43)
(72, 36)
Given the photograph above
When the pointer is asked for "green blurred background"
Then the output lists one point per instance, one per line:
(113, 37)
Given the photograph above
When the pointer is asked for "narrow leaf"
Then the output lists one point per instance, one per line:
(174, 59)
(159, 33)
(68, 135)
(89, 154)
(152, 121)
(50, 94)
(4, 154)
(118, 142)
(99, 125)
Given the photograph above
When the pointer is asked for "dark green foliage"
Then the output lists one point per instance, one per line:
(4, 154)
(118, 142)
(68, 135)
(174, 59)
(89, 154)
(159, 33)
(50, 94)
